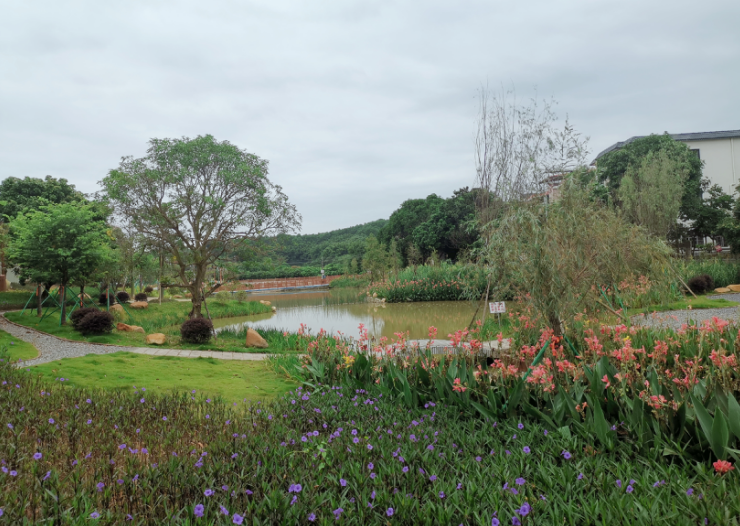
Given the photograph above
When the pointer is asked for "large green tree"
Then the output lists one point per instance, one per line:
(61, 243)
(614, 165)
(198, 199)
(29, 193)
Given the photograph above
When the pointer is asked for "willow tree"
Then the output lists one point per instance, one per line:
(198, 199)
(557, 256)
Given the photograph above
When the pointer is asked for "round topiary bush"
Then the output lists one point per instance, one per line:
(701, 284)
(141, 296)
(98, 322)
(122, 296)
(196, 330)
(148, 289)
(103, 299)
(78, 314)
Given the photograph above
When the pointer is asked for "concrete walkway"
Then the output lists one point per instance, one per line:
(52, 348)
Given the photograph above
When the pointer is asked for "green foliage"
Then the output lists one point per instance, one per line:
(559, 256)
(349, 282)
(58, 244)
(285, 271)
(95, 322)
(443, 282)
(270, 454)
(615, 164)
(75, 317)
(650, 192)
(196, 330)
(198, 219)
(701, 284)
(433, 224)
(337, 246)
(723, 273)
(27, 194)
(375, 259)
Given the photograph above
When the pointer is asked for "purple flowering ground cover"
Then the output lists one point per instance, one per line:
(320, 456)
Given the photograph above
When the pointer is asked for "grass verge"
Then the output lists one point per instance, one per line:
(17, 349)
(232, 380)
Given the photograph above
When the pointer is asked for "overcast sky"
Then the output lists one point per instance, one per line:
(358, 106)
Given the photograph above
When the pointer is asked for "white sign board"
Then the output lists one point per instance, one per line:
(497, 307)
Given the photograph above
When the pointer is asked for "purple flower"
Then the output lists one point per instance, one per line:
(515, 521)
(294, 500)
(520, 425)
(223, 510)
(342, 483)
(208, 492)
(51, 421)
(389, 512)
(337, 512)
(630, 489)
(370, 466)
(525, 509)
(142, 400)
(520, 481)
(13, 473)
(198, 511)
(580, 476)
(122, 446)
(95, 515)
(478, 459)
(237, 519)
(566, 455)
(48, 474)
(100, 486)
(495, 522)
(433, 478)
(164, 418)
(619, 483)
(689, 491)
(441, 494)
(369, 447)
(526, 450)
(405, 469)
(312, 517)
(37, 456)
(373, 475)
(225, 487)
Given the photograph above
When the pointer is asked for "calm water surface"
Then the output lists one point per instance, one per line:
(344, 310)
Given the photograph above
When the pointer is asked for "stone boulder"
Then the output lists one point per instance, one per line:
(265, 302)
(156, 338)
(116, 310)
(139, 305)
(129, 328)
(84, 296)
(255, 340)
(722, 290)
(274, 309)
(734, 288)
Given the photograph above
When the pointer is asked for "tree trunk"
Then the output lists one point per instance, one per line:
(82, 296)
(38, 300)
(63, 296)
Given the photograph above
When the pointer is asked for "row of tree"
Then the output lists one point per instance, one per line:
(181, 212)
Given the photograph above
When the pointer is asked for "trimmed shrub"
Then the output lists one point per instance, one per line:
(701, 284)
(103, 299)
(141, 296)
(78, 314)
(196, 330)
(148, 289)
(122, 296)
(98, 322)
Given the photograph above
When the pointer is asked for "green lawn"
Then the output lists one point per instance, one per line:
(233, 380)
(18, 349)
(700, 302)
(165, 318)
(14, 299)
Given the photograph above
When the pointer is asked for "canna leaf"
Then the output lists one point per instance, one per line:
(705, 419)
(733, 415)
(720, 435)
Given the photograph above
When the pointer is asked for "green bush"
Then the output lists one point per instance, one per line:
(78, 314)
(94, 323)
(196, 330)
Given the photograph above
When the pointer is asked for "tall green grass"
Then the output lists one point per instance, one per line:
(723, 272)
(444, 282)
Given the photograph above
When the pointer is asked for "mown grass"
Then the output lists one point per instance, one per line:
(689, 302)
(233, 380)
(17, 349)
(165, 318)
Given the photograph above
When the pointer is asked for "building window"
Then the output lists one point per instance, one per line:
(695, 152)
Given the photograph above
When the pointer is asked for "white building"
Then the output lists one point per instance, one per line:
(719, 150)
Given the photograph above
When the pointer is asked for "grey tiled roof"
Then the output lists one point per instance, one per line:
(698, 136)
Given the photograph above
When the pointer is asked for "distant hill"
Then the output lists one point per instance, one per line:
(337, 246)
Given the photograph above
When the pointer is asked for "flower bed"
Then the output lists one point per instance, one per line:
(322, 456)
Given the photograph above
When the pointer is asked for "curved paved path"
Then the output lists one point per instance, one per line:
(52, 348)
(674, 319)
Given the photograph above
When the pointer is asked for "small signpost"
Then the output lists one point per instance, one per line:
(498, 308)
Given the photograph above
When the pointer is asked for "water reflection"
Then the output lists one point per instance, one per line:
(343, 310)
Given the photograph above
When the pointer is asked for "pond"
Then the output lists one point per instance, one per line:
(345, 309)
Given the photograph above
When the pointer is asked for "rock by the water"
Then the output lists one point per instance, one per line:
(129, 328)
(255, 340)
(265, 302)
(157, 338)
(722, 290)
(116, 310)
(139, 305)
(734, 288)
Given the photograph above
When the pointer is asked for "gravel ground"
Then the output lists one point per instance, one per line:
(52, 348)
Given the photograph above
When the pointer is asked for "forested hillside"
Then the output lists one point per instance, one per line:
(335, 247)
